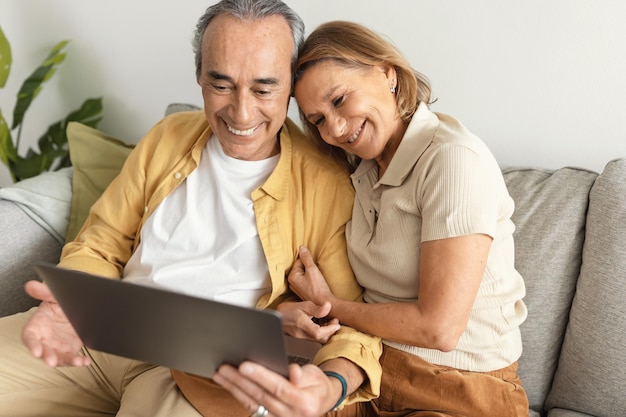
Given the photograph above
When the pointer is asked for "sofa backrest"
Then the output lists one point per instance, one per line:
(590, 377)
(550, 212)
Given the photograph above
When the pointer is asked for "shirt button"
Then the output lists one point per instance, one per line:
(178, 175)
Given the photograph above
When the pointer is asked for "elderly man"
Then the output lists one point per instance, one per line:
(229, 194)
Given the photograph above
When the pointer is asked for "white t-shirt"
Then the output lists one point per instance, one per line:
(202, 240)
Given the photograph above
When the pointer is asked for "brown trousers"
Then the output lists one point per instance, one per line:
(414, 387)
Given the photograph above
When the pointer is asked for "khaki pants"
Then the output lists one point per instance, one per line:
(111, 386)
(416, 388)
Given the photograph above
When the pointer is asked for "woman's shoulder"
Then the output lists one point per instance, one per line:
(453, 136)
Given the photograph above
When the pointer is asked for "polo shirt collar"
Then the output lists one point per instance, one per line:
(417, 138)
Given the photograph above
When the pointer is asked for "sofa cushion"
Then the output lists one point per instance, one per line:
(589, 378)
(559, 412)
(177, 107)
(97, 158)
(550, 209)
(46, 198)
(23, 243)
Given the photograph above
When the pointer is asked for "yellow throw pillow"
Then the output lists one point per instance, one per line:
(97, 159)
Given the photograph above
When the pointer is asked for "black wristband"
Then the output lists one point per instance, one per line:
(344, 387)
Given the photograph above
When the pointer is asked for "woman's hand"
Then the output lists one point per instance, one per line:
(307, 281)
(48, 334)
(307, 393)
(305, 320)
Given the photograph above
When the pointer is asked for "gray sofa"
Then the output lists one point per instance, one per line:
(570, 247)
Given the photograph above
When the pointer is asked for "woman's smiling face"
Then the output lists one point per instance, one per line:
(352, 108)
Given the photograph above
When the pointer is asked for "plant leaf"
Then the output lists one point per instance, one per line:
(88, 113)
(34, 163)
(27, 167)
(5, 59)
(53, 146)
(8, 153)
(32, 85)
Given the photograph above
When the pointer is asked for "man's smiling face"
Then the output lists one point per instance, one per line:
(246, 83)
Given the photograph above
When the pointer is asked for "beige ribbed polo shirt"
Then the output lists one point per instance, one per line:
(442, 182)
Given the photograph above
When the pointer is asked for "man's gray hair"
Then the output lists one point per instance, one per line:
(249, 10)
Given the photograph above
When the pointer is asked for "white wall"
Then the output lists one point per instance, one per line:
(542, 82)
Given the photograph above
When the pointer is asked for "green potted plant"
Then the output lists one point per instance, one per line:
(53, 151)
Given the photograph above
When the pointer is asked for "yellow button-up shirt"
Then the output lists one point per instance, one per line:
(307, 200)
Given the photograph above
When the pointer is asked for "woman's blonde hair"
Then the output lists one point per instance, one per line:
(355, 46)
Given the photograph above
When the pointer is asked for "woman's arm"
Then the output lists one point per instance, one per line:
(450, 274)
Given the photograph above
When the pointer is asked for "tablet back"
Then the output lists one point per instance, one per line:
(175, 330)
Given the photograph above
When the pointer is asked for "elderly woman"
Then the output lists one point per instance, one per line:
(430, 238)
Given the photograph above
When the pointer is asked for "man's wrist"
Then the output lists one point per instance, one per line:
(344, 387)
